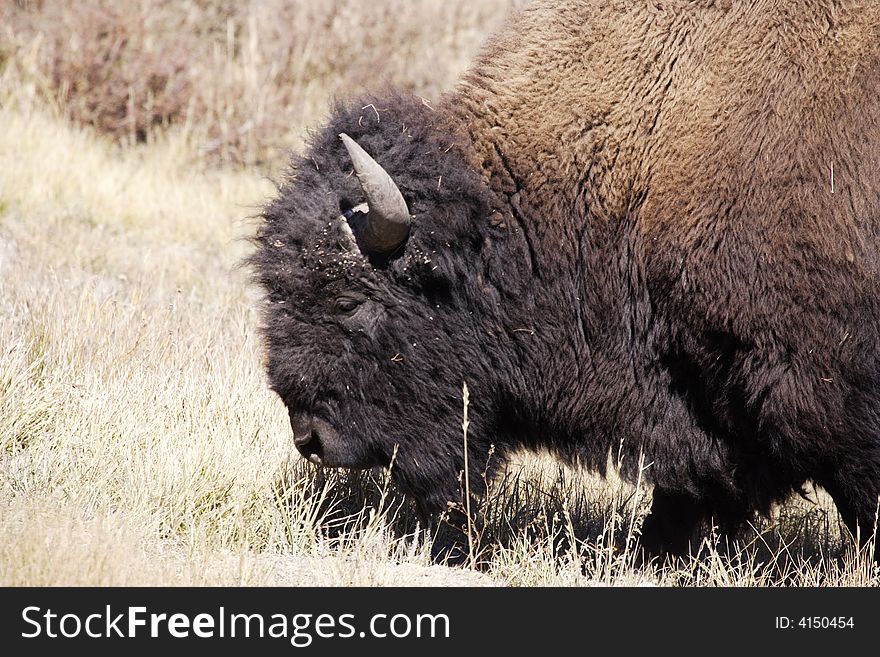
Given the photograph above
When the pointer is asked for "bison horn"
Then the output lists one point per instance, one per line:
(388, 220)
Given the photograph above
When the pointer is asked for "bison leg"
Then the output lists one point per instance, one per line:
(858, 507)
(672, 527)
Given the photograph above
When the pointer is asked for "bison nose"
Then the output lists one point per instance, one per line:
(306, 437)
(302, 430)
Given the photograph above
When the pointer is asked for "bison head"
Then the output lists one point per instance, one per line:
(380, 302)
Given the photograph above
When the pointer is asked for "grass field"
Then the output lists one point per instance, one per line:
(138, 441)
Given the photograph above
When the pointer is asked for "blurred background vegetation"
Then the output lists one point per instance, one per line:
(243, 79)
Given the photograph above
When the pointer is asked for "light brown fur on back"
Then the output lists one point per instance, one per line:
(713, 126)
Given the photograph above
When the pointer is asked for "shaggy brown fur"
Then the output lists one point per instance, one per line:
(648, 223)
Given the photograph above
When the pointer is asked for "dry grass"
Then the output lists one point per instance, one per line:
(138, 442)
(243, 79)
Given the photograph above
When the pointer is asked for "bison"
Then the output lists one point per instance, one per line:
(643, 226)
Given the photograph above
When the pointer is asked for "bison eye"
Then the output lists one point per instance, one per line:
(346, 304)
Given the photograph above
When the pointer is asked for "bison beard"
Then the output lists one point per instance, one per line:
(619, 230)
